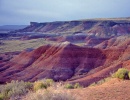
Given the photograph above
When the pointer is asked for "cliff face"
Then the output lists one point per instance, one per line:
(91, 27)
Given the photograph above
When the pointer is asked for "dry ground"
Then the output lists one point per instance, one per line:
(114, 89)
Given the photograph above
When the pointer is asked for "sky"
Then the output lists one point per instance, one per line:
(22, 12)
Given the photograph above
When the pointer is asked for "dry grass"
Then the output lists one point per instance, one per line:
(42, 84)
(102, 81)
(24, 91)
(14, 89)
(113, 89)
(56, 92)
(20, 45)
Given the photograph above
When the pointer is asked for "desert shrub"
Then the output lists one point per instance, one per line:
(69, 86)
(14, 88)
(49, 82)
(72, 86)
(100, 81)
(122, 73)
(93, 84)
(39, 85)
(77, 85)
(42, 84)
(129, 75)
(50, 94)
(1, 97)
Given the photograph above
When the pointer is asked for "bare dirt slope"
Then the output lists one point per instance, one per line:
(114, 89)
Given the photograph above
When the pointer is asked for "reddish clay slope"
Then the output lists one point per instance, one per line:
(117, 56)
(59, 62)
(64, 61)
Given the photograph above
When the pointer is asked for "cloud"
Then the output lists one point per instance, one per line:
(24, 11)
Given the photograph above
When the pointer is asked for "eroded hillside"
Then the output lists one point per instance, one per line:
(83, 51)
(65, 61)
(97, 27)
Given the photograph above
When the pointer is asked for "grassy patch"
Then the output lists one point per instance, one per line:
(42, 84)
(19, 45)
(14, 88)
(51, 93)
(72, 86)
(122, 73)
(100, 81)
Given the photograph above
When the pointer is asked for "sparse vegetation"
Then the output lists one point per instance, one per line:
(42, 84)
(14, 88)
(129, 75)
(46, 89)
(49, 82)
(122, 73)
(54, 92)
(100, 81)
(20, 45)
(77, 85)
(31, 91)
(1, 96)
(39, 85)
(71, 86)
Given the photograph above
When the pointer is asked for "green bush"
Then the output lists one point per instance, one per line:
(14, 88)
(51, 94)
(77, 85)
(49, 82)
(69, 86)
(129, 75)
(122, 73)
(100, 81)
(42, 84)
(39, 85)
(1, 97)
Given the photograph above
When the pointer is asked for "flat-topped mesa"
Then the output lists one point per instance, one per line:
(97, 27)
(34, 23)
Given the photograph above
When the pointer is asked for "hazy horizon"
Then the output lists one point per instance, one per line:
(16, 12)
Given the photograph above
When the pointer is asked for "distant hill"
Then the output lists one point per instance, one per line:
(98, 27)
(66, 61)
(82, 51)
(11, 27)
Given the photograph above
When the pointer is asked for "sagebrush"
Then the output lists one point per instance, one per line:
(14, 88)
